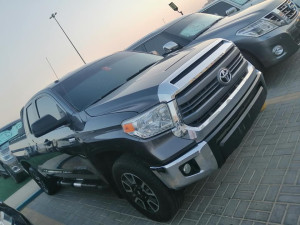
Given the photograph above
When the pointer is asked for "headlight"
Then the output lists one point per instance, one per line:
(150, 123)
(257, 29)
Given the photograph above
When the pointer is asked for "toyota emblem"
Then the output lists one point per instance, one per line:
(224, 76)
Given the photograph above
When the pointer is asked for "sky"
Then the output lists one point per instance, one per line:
(96, 27)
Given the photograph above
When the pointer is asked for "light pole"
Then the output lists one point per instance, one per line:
(53, 16)
(52, 68)
(175, 8)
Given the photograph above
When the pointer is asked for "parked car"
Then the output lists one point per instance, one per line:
(9, 165)
(10, 216)
(146, 125)
(266, 33)
(227, 7)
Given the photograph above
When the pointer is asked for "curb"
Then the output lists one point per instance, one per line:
(24, 195)
(29, 199)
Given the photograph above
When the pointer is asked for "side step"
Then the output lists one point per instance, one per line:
(83, 184)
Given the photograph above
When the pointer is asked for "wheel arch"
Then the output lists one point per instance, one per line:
(104, 162)
(252, 59)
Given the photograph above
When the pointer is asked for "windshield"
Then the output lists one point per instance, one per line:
(297, 2)
(90, 84)
(10, 132)
(192, 26)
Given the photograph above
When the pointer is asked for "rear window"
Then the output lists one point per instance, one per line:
(90, 84)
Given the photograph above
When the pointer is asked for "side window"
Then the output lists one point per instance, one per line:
(156, 44)
(47, 105)
(31, 114)
(140, 48)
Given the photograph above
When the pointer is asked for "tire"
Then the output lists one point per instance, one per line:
(144, 191)
(48, 185)
(17, 177)
(253, 61)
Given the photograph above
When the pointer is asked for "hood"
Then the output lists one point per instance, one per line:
(141, 93)
(228, 26)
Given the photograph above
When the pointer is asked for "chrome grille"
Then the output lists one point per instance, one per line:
(273, 17)
(289, 9)
(203, 96)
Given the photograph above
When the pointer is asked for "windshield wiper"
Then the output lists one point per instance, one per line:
(141, 70)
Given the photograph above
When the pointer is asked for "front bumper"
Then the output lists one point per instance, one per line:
(171, 175)
(287, 36)
(212, 152)
(14, 165)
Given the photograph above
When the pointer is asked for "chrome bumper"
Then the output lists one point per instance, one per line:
(173, 178)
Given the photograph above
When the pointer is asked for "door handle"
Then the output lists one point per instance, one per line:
(72, 140)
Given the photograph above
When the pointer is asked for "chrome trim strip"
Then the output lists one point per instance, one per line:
(182, 129)
(167, 91)
(227, 102)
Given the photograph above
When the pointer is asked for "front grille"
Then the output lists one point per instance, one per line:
(218, 104)
(289, 9)
(202, 97)
(273, 17)
(192, 105)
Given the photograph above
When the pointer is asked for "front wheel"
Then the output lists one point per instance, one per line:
(144, 190)
(48, 185)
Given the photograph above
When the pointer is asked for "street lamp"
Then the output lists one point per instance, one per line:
(53, 16)
(175, 8)
(52, 68)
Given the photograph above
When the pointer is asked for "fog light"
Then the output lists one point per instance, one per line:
(278, 50)
(187, 168)
(15, 169)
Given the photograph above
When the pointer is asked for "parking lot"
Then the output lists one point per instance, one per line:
(259, 183)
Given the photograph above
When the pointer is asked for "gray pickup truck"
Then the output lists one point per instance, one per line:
(143, 124)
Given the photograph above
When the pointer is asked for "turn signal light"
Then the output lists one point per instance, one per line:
(128, 128)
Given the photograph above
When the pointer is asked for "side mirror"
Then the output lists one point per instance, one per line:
(231, 10)
(171, 46)
(46, 124)
(10, 216)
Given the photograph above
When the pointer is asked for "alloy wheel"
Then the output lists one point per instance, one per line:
(140, 192)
